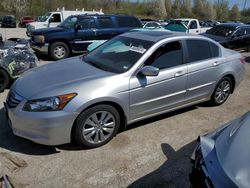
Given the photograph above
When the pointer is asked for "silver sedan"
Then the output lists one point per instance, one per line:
(132, 77)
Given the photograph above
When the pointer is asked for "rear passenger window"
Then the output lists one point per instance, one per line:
(215, 50)
(166, 56)
(198, 50)
(128, 22)
(105, 22)
(86, 23)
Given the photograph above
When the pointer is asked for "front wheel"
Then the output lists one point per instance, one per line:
(59, 50)
(222, 91)
(96, 126)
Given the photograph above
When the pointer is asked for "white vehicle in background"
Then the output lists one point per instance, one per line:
(53, 19)
(193, 25)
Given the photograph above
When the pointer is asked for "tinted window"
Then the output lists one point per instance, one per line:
(240, 32)
(166, 56)
(105, 22)
(221, 30)
(128, 22)
(198, 50)
(86, 23)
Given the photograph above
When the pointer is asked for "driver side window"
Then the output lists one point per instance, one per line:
(167, 56)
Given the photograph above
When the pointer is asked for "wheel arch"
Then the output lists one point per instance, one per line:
(116, 105)
(232, 77)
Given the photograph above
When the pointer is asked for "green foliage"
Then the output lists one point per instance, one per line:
(160, 9)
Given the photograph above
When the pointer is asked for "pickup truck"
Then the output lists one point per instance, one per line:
(53, 19)
(192, 25)
(75, 34)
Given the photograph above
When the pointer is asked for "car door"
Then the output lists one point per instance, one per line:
(193, 27)
(154, 94)
(203, 64)
(239, 39)
(84, 34)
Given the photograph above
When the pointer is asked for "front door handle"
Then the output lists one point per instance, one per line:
(179, 73)
(215, 64)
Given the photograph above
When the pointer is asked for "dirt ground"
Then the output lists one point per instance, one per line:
(150, 153)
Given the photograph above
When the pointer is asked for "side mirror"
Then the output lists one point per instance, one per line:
(149, 71)
(51, 19)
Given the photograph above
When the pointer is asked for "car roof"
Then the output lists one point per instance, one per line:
(156, 36)
(236, 25)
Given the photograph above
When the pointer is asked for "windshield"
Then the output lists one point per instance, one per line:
(69, 22)
(184, 22)
(119, 54)
(221, 30)
(44, 17)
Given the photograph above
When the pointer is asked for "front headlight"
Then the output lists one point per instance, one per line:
(48, 104)
(39, 39)
(30, 27)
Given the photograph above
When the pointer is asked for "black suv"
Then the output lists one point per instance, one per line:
(75, 34)
(9, 21)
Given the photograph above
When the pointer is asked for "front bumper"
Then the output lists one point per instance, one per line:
(47, 128)
(41, 49)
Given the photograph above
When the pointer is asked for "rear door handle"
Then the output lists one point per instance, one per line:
(179, 73)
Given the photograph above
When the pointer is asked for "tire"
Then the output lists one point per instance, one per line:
(4, 80)
(59, 50)
(222, 91)
(96, 126)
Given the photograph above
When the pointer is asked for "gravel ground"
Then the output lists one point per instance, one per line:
(150, 153)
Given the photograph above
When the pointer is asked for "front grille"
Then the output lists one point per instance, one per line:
(13, 99)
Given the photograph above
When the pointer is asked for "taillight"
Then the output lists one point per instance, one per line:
(242, 60)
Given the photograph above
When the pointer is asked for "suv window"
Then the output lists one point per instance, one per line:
(56, 18)
(198, 50)
(105, 22)
(167, 55)
(248, 31)
(86, 22)
(127, 22)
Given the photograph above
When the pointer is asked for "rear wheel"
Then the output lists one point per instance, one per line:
(4, 80)
(222, 91)
(96, 126)
(59, 50)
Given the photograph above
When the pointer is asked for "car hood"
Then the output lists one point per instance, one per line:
(214, 37)
(231, 146)
(46, 30)
(60, 74)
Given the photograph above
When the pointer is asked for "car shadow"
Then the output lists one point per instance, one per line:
(11, 142)
(14, 143)
(172, 173)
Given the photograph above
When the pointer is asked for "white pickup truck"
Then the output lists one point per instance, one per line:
(192, 25)
(53, 19)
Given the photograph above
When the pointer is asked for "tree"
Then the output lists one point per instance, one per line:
(186, 8)
(18, 7)
(168, 6)
(210, 12)
(234, 13)
(222, 10)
